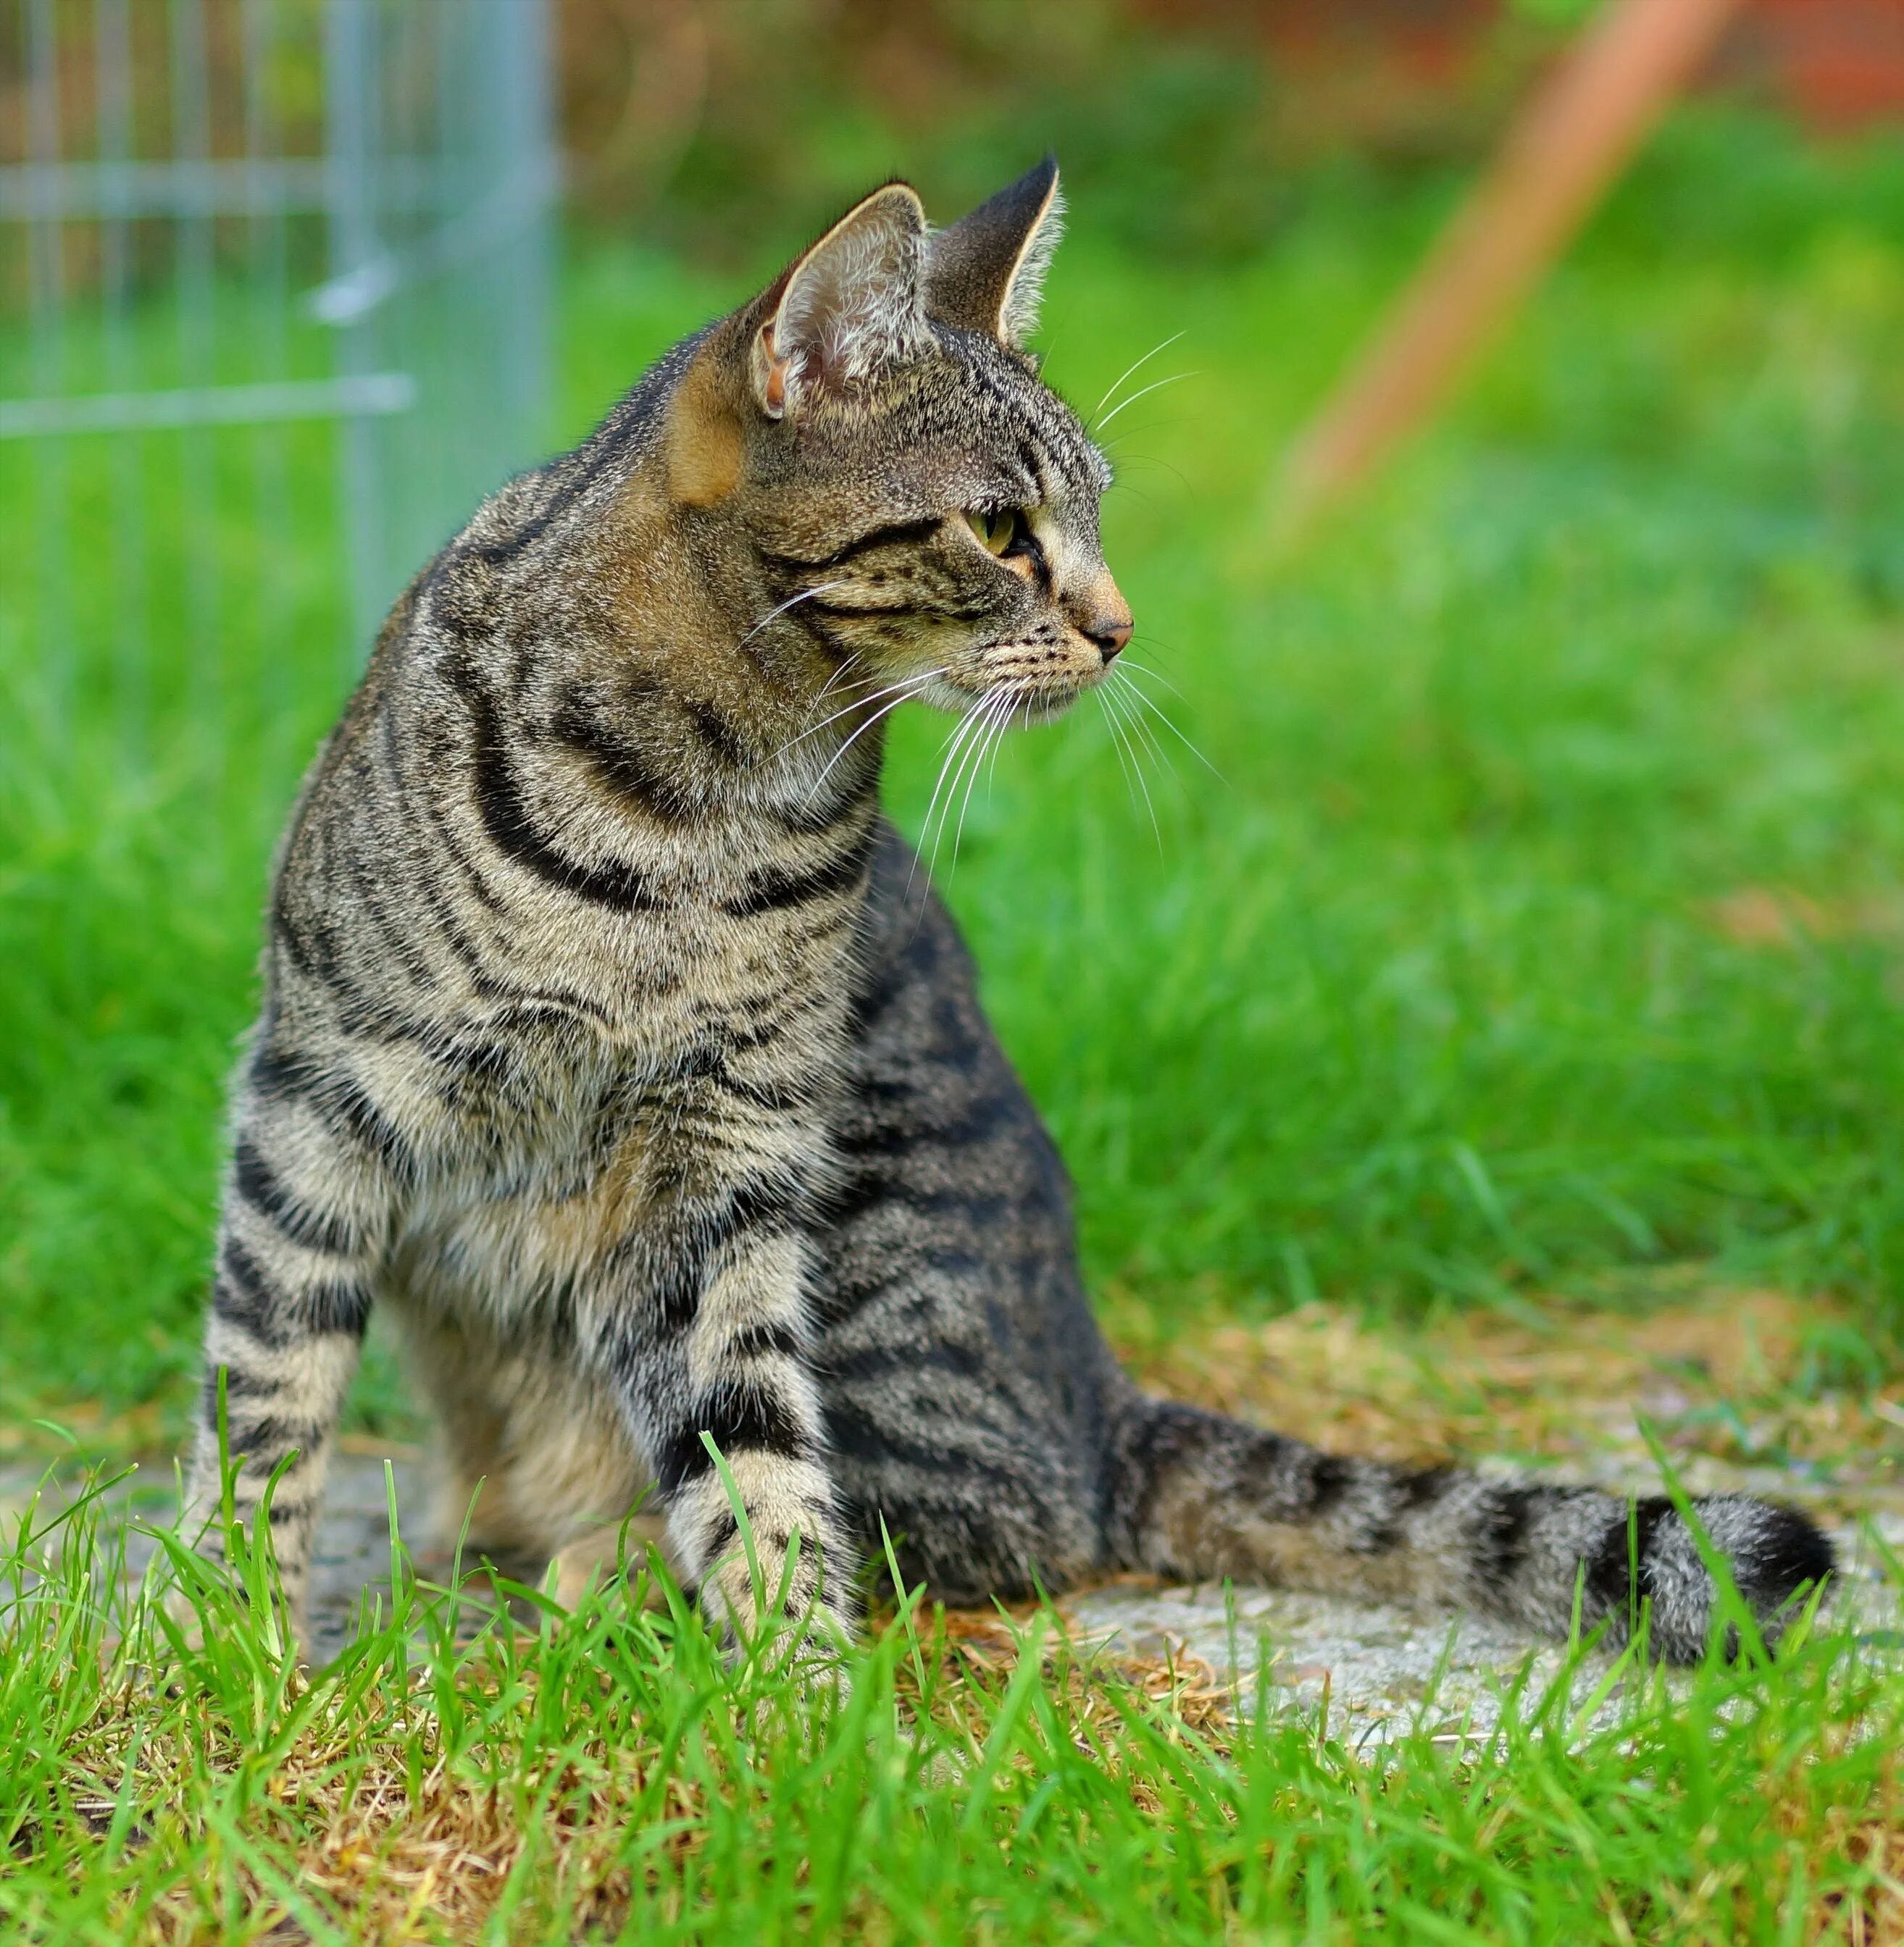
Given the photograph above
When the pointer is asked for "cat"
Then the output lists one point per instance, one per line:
(615, 1041)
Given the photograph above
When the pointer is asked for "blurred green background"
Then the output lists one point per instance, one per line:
(1528, 915)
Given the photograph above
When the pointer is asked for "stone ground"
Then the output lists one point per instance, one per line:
(1722, 1382)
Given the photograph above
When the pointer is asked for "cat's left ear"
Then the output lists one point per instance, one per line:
(988, 270)
(853, 304)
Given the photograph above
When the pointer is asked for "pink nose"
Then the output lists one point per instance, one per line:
(1110, 629)
(1110, 637)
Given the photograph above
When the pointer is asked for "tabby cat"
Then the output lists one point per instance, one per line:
(615, 1041)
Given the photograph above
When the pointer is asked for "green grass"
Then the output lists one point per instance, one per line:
(609, 1774)
(1429, 997)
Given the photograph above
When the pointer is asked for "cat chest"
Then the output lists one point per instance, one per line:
(567, 1189)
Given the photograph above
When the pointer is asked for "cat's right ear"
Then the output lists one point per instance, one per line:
(988, 270)
(849, 307)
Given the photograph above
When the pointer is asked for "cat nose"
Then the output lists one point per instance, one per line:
(1109, 635)
(1107, 622)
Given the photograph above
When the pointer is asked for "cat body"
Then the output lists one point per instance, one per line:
(615, 1043)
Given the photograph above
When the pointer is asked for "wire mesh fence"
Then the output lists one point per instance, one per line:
(274, 296)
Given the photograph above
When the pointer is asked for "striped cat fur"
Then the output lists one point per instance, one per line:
(614, 1042)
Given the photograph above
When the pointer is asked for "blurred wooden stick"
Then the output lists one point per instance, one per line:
(1559, 158)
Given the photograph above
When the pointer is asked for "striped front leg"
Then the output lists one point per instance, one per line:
(290, 1299)
(721, 1348)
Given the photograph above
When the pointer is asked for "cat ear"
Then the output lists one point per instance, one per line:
(851, 306)
(986, 272)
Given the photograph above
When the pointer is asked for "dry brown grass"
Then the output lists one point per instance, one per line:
(1720, 1373)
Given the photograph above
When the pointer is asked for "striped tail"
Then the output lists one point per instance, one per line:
(1199, 1496)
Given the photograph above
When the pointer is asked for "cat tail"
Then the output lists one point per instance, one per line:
(1196, 1496)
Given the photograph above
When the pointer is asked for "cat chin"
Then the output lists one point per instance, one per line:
(1044, 705)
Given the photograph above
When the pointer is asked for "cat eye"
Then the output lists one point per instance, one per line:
(999, 529)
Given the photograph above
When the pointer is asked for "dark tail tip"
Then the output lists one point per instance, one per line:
(1775, 1554)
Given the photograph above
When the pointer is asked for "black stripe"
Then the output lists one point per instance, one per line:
(722, 1533)
(1328, 1482)
(567, 480)
(828, 639)
(1503, 1528)
(779, 886)
(452, 842)
(276, 1438)
(941, 1358)
(506, 818)
(1785, 1552)
(239, 1385)
(254, 1180)
(620, 765)
(762, 1206)
(856, 1434)
(760, 1341)
(241, 1294)
(342, 1107)
(860, 611)
(889, 1137)
(721, 736)
(901, 533)
(742, 1420)
(676, 1296)
(1608, 1569)
(308, 941)
(337, 1305)
(776, 1099)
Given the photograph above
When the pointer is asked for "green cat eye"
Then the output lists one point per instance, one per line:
(999, 531)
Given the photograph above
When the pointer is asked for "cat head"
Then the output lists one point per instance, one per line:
(923, 508)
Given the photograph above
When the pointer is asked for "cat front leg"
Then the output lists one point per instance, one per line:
(720, 1352)
(302, 1229)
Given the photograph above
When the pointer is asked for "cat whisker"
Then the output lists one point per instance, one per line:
(908, 684)
(793, 601)
(825, 688)
(998, 715)
(1163, 717)
(1148, 736)
(1117, 745)
(1142, 392)
(1144, 668)
(1006, 705)
(908, 692)
(1115, 709)
(955, 737)
(1135, 366)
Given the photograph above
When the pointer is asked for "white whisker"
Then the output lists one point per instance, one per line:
(974, 746)
(1142, 729)
(825, 687)
(1157, 830)
(1001, 722)
(1135, 365)
(1142, 392)
(907, 683)
(1117, 743)
(1144, 668)
(954, 737)
(1162, 716)
(793, 601)
(908, 692)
